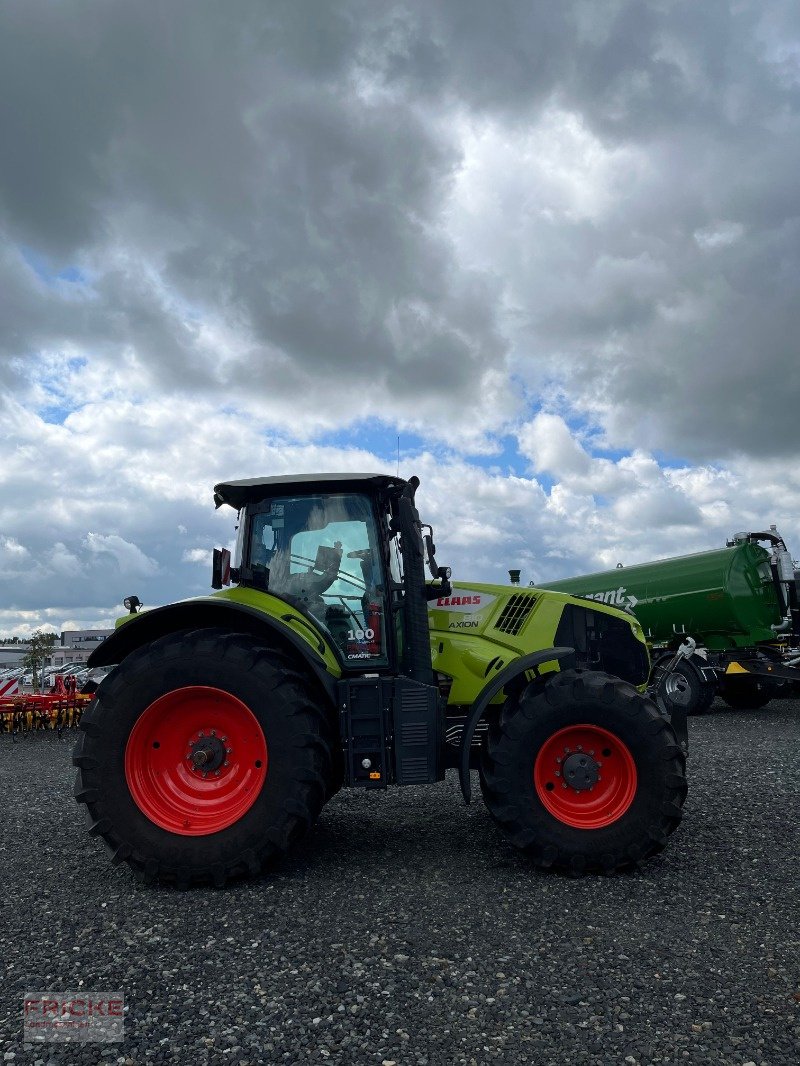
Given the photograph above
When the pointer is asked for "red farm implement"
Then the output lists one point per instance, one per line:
(58, 710)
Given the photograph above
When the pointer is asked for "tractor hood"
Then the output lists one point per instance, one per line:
(476, 627)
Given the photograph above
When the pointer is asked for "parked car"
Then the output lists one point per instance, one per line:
(67, 668)
(91, 682)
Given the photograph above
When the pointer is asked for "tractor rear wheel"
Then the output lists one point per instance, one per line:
(745, 694)
(204, 757)
(583, 774)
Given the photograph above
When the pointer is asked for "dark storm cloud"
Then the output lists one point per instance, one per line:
(629, 67)
(680, 308)
(219, 164)
(282, 174)
(672, 334)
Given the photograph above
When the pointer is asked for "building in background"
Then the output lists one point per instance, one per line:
(77, 645)
(12, 655)
(74, 646)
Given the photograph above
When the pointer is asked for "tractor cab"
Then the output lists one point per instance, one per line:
(329, 546)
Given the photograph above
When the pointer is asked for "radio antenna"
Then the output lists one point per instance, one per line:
(398, 455)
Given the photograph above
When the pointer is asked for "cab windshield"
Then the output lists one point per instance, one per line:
(322, 554)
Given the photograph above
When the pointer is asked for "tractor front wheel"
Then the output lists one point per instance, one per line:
(204, 756)
(583, 774)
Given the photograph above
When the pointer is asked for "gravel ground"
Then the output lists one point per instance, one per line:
(405, 931)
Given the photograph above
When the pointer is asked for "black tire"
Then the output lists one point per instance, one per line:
(525, 725)
(707, 697)
(299, 734)
(745, 694)
(685, 686)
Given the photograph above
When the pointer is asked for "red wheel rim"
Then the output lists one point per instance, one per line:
(168, 780)
(597, 756)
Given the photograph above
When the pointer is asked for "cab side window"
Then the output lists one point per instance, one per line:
(323, 555)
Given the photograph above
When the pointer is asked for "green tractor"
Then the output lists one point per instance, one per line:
(230, 720)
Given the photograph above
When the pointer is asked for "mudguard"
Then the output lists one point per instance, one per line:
(205, 614)
(498, 682)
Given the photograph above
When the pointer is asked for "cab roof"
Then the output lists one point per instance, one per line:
(251, 490)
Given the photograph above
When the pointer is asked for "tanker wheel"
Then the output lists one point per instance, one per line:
(204, 757)
(583, 774)
(746, 694)
(707, 697)
(686, 687)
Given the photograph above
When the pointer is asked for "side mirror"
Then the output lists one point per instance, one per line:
(430, 552)
(221, 568)
(438, 573)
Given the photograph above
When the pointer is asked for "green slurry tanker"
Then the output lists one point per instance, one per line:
(739, 604)
(327, 658)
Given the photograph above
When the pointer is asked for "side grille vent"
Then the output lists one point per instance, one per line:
(414, 732)
(515, 614)
(418, 722)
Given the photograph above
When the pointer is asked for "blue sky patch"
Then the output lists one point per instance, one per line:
(45, 271)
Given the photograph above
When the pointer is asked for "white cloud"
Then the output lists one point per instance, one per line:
(554, 169)
(197, 555)
(718, 235)
(130, 560)
(547, 441)
(596, 512)
(63, 562)
(14, 557)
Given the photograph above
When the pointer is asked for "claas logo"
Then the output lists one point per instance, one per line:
(458, 601)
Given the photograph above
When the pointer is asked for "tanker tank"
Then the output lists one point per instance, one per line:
(727, 598)
(739, 603)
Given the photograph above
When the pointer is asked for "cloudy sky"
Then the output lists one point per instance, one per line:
(555, 247)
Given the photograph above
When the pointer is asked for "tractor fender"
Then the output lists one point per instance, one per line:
(498, 682)
(206, 614)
